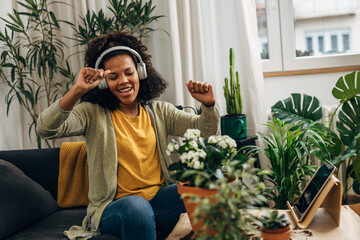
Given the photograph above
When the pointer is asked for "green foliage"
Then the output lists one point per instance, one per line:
(273, 220)
(227, 215)
(32, 50)
(289, 150)
(343, 147)
(232, 90)
(132, 16)
(203, 161)
(298, 108)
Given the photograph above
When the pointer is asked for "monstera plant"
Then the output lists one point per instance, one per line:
(344, 146)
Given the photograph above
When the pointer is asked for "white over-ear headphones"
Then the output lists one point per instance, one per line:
(140, 66)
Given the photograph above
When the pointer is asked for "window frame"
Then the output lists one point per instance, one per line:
(281, 44)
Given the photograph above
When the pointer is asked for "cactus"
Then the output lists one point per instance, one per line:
(232, 92)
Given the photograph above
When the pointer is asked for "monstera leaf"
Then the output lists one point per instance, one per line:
(298, 108)
(347, 87)
(348, 124)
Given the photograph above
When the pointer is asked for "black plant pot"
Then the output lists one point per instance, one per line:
(234, 126)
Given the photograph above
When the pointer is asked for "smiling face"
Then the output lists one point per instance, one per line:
(123, 81)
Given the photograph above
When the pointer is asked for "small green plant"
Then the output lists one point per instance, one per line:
(273, 220)
(232, 90)
(289, 150)
(227, 215)
(133, 16)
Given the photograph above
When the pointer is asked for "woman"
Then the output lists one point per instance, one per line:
(130, 191)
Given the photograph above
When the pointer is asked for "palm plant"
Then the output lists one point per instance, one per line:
(344, 147)
(31, 51)
(133, 16)
(289, 150)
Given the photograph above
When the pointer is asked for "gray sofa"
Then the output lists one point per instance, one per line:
(28, 187)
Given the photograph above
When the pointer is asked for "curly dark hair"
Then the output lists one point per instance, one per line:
(150, 87)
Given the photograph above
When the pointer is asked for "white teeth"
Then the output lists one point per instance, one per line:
(125, 89)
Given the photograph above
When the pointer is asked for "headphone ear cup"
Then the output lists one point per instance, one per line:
(141, 69)
(103, 85)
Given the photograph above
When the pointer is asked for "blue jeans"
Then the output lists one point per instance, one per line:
(133, 217)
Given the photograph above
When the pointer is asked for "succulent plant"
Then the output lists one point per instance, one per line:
(273, 220)
(232, 90)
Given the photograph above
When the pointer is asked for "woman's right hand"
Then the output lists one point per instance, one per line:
(89, 78)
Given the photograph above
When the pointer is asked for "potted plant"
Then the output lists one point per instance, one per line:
(289, 149)
(274, 226)
(343, 146)
(33, 67)
(229, 214)
(207, 169)
(234, 123)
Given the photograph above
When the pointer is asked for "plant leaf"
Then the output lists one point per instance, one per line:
(348, 124)
(347, 87)
(298, 108)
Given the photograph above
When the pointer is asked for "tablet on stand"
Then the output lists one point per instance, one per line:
(323, 189)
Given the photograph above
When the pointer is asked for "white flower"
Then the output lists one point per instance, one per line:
(202, 154)
(222, 144)
(212, 139)
(231, 142)
(196, 165)
(168, 152)
(176, 146)
(192, 134)
(183, 157)
(171, 147)
(193, 144)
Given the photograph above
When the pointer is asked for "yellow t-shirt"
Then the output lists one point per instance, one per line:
(139, 171)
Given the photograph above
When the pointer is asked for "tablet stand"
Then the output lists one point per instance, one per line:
(329, 198)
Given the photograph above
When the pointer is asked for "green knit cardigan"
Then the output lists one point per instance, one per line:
(94, 123)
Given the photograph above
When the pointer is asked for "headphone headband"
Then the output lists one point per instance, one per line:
(140, 66)
(98, 61)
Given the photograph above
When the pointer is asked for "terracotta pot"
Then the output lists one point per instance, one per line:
(279, 234)
(191, 206)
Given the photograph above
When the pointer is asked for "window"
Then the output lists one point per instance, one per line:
(321, 44)
(346, 44)
(308, 34)
(309, 44)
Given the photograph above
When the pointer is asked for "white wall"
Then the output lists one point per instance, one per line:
(318, 85)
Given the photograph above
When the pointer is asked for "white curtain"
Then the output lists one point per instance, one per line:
(201, 33)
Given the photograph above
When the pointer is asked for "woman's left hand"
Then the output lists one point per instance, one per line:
(202, 91)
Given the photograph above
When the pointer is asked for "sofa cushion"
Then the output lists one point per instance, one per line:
(41, 165)
(53, 226)
(22, 200)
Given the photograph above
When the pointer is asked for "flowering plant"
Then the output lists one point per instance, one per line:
(203, 161)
